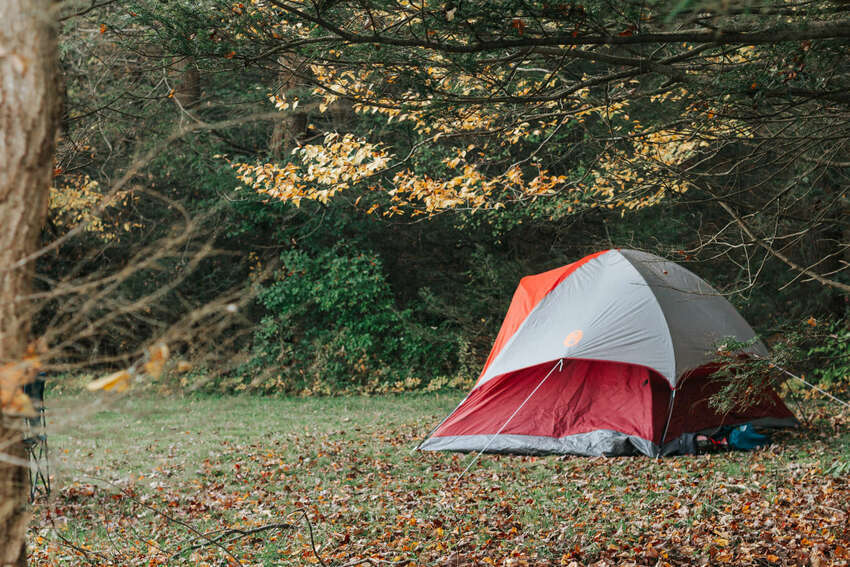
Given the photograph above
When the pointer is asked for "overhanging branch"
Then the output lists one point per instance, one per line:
(779, 255)
(800, 32)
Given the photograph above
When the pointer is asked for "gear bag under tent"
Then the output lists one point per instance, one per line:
(609, 355)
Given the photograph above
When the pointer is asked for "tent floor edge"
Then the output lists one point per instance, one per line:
(599, 443)
(603, 442)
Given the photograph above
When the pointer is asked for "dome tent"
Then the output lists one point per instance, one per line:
(609, 355)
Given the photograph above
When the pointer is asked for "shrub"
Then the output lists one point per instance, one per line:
(332, 325)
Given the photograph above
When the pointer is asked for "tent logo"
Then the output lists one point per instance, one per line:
(573, 338)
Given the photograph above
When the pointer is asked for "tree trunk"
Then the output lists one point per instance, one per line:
(291, 125)
(187, 91)
(28, 116)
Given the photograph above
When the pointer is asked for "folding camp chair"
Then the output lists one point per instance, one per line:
(35, 439)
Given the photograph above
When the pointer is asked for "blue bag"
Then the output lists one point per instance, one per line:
(745, 438)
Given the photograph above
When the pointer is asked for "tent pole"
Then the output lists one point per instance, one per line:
(559, 365)
(666, 425)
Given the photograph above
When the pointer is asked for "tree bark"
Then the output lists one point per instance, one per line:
(28, 117)
(292, 124)
(187, 91)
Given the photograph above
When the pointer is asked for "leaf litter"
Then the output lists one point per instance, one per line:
(352, 493)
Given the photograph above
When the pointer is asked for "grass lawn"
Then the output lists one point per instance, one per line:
(246, 480)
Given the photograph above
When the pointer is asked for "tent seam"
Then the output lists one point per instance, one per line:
(675, 382)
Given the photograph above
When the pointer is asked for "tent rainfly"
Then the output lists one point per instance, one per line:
(609, 355)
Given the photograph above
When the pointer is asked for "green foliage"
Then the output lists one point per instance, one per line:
(745, 380)
(820, 351)
(331, 324)
(831, 350)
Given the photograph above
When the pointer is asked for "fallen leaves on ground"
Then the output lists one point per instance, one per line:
(361, 494)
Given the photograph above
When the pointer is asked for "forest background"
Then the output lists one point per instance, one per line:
(359, 187)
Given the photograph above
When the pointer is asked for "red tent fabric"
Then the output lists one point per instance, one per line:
(591, 359)
(529, 292)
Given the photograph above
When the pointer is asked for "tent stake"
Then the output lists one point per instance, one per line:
(559, 365)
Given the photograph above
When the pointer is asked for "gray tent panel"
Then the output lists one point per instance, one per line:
(697, 315)
(609, 312)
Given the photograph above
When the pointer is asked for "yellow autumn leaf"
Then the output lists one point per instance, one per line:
(14, 375)
(157, 357)
(118, 381)
(19, 404)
